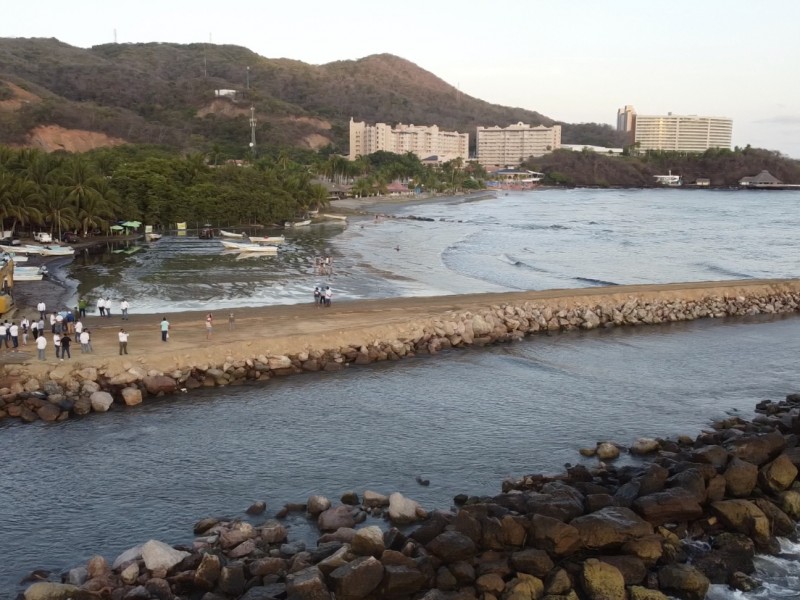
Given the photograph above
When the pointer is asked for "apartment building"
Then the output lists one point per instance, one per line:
(626, 123)
(680, 133)
(423, 141)
(511, 145)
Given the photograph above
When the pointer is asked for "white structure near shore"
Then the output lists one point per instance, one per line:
(511, 145)
(678, 133)
(423, 141)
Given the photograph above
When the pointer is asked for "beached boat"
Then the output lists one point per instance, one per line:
(298, 223)
(152, 237)
(230, 234)
(248, 247)
(56, 251)
(29, 273)
(17, 258)
(337, 217)
(270, 239)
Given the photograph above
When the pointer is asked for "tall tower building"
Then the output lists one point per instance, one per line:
(626, 122)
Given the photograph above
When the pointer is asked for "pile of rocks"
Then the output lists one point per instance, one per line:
(692, 513)
(78, 392)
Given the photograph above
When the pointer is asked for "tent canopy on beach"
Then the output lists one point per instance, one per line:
(132, 224)
(116, 228)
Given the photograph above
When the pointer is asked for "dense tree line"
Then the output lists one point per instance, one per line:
(86, 192)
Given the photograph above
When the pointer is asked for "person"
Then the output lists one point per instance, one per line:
(78, 327)
(317, 295)
(124, 308)
(41, 307)
(82, 308)
(14, 332)
(231, 321)
(84, 339)
(41, 344)
(52, 322)
(123, 342)
(35, 329)
(328, 295)
(101, 306)
(41, 326)
(3, 330)
(164, 329)
(89, 340)
(60, 325)
(209, 326)
(65, 342)
(70, 321)
(25, 326)
(8, 332)
(57, 344)
(108, 307)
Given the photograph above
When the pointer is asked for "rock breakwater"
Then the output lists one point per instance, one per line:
(693, 512)
(34, 391)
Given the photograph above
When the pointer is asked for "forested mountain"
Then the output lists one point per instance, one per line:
(160, 93)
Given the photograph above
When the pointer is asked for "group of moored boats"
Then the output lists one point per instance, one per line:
(251, 244)
(50, 250)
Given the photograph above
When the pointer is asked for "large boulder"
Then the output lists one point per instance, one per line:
(789, 502)
(159, 384)
(610, 527)
(776, 476)
(158, 555)
(674, 504)
(712, 455)
(131, 396)
(404, 510)
(452, 546)
(683, 581)
(532, 561)
(208, 571)
(558, 501)
(744, 517)
(101, 401)
(757, 448)
(47, 590)
(316, 505)
(780, 523)
(553, 536)
(602, 581)
(336, 517)
(400, 581)
(730, 553)
(368, 542)
(740, 478)
(357, 579)
(374, 499)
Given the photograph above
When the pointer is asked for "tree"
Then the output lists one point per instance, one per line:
(57, 208)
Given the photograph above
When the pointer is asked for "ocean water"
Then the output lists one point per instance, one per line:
(464, 419)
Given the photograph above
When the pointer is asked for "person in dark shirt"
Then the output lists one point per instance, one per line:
(65, 342)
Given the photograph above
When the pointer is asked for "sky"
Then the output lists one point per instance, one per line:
(572, 60)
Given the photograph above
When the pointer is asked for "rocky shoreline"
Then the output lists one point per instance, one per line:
(35, 391)
(693, 512)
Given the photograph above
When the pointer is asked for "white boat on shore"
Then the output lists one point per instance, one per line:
(337, 217)
(29, 273)
(152, 237)
(57, 251)
(298, 223)
(230, 234)
(270, 239)
(17, 258)
(248, 247)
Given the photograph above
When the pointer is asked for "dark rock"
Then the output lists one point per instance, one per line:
(759, 448)
(204, 525)
(307, 584)
(435, 525)
(159, 384)
(350, 498)
(267, 566)
(610, 527)
(780, 523)
(740, 478)
(653, 479)
(336, 517)
(532, 561)
(401, 581)
(452, 546)
(675, 504)
(691, 480)
(717, 456)
(273, 591)
(357, 579)
(633, 569)
(597, 501)
(256, 508)
(207, 574)
(683, 581)
(555, 537)
(467, 524)
(775, 476)
(231, 579)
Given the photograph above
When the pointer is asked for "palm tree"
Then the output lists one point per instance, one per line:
(318, 196)
(83, 187)
(23, 207)
(57, 207)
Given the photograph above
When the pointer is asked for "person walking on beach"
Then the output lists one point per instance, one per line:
(52, 322)
(164, 329)
(328, 296)
(78, 327)
(84, 339)
(82, 308)
(14, 333)
(108, 307)
(41, 326)
(123, 342)
(209, 326)
(57, 344)
(89, 340)
(25, 326)
(41, 344)
(3, 330)
(70, 321)
(231, 321)
(317, 295)
(35, 329)
(41, 307)
(124, 306)
(65, 343)
(101, 306)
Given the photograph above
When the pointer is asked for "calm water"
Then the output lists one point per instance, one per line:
(464, 420)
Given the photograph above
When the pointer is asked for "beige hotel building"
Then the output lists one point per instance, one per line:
(680, 133)
(509, 146)
(422, 141)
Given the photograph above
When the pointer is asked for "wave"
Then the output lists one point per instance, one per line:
(536, 227)
(723, 271)
(515, 262)
(591, 281)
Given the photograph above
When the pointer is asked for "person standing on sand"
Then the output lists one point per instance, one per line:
(41, 307)
(164, 329)
(101, 306)
(25, 326)
(84, 339)
(41, 326)
(209, 326)
(35, 329)
(231, 321)
(78, 327)
(328, 296)
(41, 344)
(65, 343)
(82, 308)
(3, 329)
(317, 295)
(57, 344)
(89, 342)
(108, 307)
(124, 308)
(14, 331)
(123, 342)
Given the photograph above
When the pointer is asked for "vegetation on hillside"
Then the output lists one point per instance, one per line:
(721, 166)
(151, 94)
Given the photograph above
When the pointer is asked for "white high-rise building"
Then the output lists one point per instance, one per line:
(681, 133)
(422, 141)
(506, 146)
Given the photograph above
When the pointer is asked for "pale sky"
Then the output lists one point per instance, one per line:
(572, 60)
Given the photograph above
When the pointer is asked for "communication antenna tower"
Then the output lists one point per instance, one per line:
(253, 130)
(115, 35)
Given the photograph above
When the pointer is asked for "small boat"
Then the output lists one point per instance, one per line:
(298, 223)
(230, 234)
(152, 237)
(312, 213)
(17, 258)
(337, 217)
(56, 251)
(248, 247)
(270, 239)
(29, 273)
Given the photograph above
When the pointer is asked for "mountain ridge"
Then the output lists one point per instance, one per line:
(159, 93)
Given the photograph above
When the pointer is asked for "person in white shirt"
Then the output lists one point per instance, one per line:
(101, 306)
(41, 344)
(84, 339)
(328, 295)
(25, 325)
(124, 306)
(41, 307)
(53, 323)
(123, 342)
(108, 307)
(57, 344)
(14, 331)
(3, 330)
(78, 326)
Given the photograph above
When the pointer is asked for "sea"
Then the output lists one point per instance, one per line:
(464, 419)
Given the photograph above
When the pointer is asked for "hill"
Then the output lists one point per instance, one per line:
(162, 93)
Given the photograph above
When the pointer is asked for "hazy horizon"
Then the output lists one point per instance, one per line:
(577, 64)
